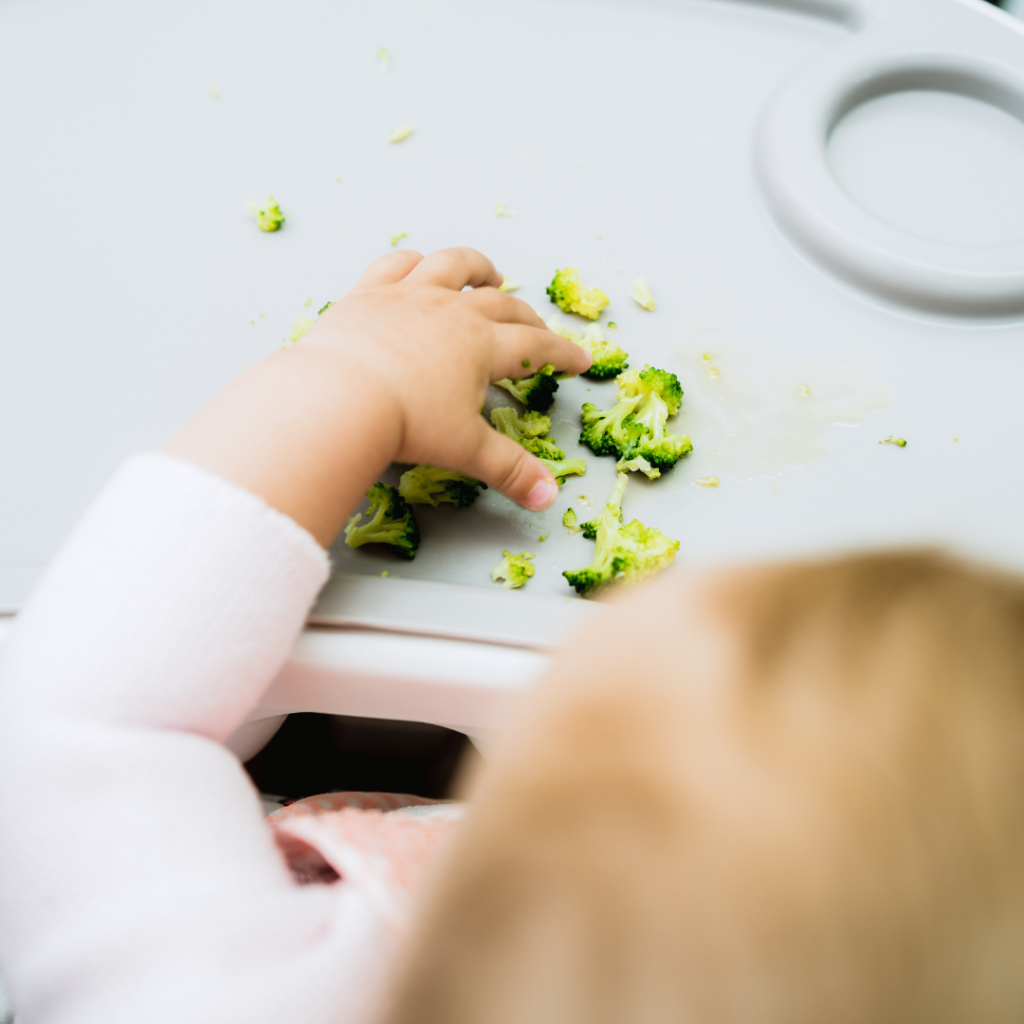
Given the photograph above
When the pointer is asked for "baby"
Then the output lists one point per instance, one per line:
(787, 795)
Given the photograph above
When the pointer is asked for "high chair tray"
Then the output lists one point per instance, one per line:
(825, 195)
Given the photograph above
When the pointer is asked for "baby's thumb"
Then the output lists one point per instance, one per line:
(509, 468)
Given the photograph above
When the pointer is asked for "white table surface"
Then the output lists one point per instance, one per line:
(623, 137)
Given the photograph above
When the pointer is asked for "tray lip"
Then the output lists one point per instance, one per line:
(404, 606)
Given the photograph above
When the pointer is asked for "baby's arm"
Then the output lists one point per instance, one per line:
(137, 881)
(396, 371)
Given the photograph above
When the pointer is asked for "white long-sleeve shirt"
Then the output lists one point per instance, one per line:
(138, 882)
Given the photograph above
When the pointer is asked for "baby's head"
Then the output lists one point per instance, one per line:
(788, 795)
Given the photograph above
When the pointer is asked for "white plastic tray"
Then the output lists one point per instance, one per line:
(687, 142)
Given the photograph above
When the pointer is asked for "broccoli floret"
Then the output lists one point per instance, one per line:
(624, 553)
(570, 522)
(427, 485)
(609, 359)
(536, 392)
(635, 426)
(543, 447)
(515, 570)
(572, 296)
(268, 215)
(390, 522)
(611, 431)
(529, 425)
(642, 294)
(639, 464)
(560, 469)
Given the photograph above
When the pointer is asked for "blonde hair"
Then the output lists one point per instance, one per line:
(827, 827)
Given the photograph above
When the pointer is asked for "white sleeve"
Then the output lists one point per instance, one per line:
(137, 879)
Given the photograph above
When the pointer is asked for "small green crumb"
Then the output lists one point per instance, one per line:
(706, 481)
(268, 215)
(300, 325)
(401, 134)
(326, 305)
(956, 438)
(385, 573)
(642, 296)
(570, 522)
(526, 363)
(508, 285)
(514, 570)
(395, 239)
(308, 302)
(384, 59)
(502, 210)
(898, 441)
(214, 94)
(544, 538)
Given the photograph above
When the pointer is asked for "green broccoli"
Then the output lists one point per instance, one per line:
(515, 570)
(572, 296)
(427, 485)
(609, 359)
(268, 215)
(526, 430)
(570, 522)
(635, 426)
(536, 392)
(560, 469)
(390, 522)
(324, 307)
(624, 553)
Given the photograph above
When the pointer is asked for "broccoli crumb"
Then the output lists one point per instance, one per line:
(508, 285)
(395, 239)
(502, 210)
(515, 570)
(544, 538)
(526, 363)
(385, 573)
(570, 522)
(401, 134)
(898, 441)
(571, 296)
(642, 295)
(308, 302)
(706, 481)
(639, 464)
(326, 305)
(214, 94)
(268, 215)
(300, 325)
(383, 59)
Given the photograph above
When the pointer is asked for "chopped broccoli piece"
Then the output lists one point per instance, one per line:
(624, 553)
(609, 359)
(300, 325)
(515, 570)
(395, 239)
(706, 481)
(268, 215)
(560, 469)
(898, 441)
(642, 295)
(427, 485)
(530, 424)
(325, 306)
(390, 521)
(639, 464)
(502, 210)
(570, 522)
(536, 392)
(572, 296)
(400, 134)
(635, 426)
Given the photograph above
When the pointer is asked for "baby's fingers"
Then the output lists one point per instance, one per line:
(457, 268)
(509, 468)
(502, 308)
(522, 351)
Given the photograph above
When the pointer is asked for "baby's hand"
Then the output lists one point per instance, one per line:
(427, 349)
(395, 371)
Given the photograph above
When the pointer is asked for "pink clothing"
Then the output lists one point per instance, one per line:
(138, 880)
